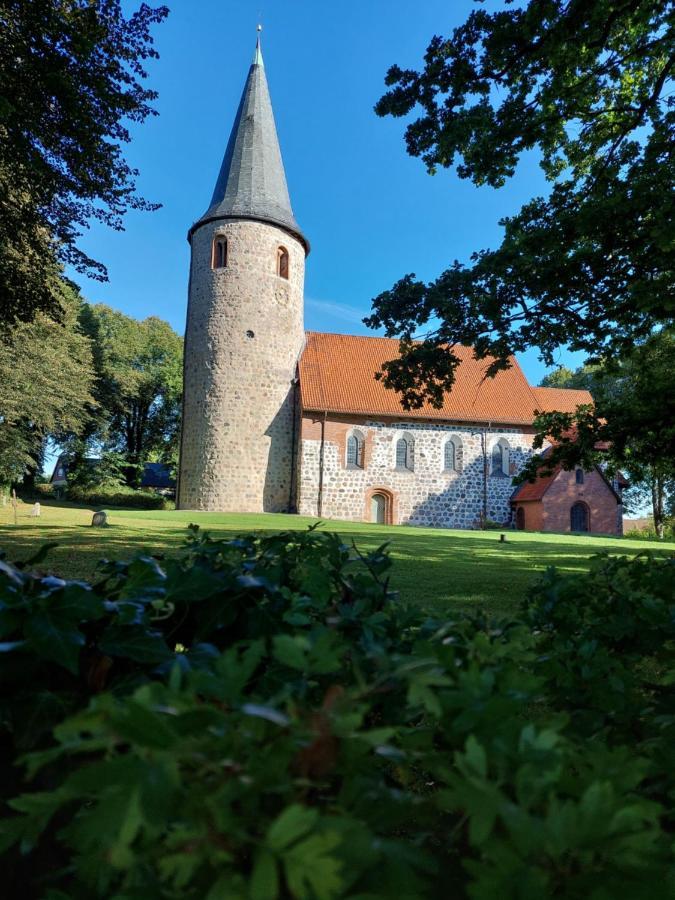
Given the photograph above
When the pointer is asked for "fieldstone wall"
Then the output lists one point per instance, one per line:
(429, 495)
(243, 337)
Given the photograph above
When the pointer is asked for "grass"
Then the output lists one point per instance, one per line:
(437, 568)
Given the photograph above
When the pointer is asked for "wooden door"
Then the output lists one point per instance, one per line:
(579, 517)
(378, 509)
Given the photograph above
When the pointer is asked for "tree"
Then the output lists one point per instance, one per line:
(71, 74)
(139, 367)
(589, 85)
(46, 376)
(631, 424)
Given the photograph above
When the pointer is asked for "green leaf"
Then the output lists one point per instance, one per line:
(142, 726)
(291, 650)
(265, 877)
(76, 603)
(311, 869)
(265, 712)
(58, 640)
(294, 822)
(135, 642)
(475, 756)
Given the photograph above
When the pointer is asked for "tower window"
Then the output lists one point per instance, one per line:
(580, 476)
(219, 253)
(282, 262)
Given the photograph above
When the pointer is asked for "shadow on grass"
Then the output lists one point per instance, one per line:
(437, 570)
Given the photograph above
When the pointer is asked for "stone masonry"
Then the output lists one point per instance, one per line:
(429, 495)
(243, 338)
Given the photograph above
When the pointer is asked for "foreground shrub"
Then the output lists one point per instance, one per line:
(115, 496)
(262, 718)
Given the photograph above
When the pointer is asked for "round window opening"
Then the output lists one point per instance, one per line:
(250, 334)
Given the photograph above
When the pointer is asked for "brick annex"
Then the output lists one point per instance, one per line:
(277, 419)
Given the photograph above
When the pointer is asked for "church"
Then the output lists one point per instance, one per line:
(277, 419)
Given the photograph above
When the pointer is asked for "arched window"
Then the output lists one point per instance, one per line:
(219, 253)
(500, 458)
(282, 262)
(355, 450)
(580, 476)
(579, 517)
(451, 455)
(405, 453)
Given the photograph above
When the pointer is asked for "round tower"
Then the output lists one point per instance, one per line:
(244, 330)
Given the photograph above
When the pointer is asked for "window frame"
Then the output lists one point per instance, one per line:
(408, 465)
(359, 441)
(504, 448)
(219, 247)
(456, 444)
(283, 263)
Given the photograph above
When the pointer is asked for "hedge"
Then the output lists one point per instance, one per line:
(262, 718)
(117, 496)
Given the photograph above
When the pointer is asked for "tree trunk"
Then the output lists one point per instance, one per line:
(658, 503)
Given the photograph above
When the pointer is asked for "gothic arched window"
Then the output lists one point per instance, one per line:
(405, 453)
(451, 455)
(355, 450)
(500, 458)
(219, 253)
(580, 476)
(282, 262)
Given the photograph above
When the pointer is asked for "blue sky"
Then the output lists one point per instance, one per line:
(371, 212)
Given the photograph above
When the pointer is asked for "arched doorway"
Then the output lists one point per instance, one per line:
(579, 518)
(378, 508)
(520, 519)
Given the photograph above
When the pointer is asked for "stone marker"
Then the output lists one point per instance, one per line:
(100, 519)
(36, 509)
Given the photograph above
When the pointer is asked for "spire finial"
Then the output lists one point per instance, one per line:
(257, 56)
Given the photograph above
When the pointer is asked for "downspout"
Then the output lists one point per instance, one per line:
(292, 506)
(485, 466)
(319, 499)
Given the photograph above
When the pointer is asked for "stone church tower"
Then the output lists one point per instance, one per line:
(244, 331)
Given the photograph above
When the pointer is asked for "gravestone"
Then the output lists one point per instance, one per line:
(36, 510)
(99, 519)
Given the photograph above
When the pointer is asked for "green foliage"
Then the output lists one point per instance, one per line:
(71, 81)
(631, 425)
(262, 718)
(106, 472)
(139, 368)
(649, 532)
(103, 496)
(588, 87)
(46, 380)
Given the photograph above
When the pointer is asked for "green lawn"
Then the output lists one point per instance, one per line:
(437, 568)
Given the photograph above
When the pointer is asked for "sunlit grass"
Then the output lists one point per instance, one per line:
(437, 568)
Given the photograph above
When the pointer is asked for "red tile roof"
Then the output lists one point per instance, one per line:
(560, 399)
(337, 374)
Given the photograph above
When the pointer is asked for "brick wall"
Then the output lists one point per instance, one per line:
(564, 492)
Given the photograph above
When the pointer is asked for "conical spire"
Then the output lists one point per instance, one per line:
(252, 181)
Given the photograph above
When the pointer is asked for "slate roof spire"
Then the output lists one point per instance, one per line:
(252, 182)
